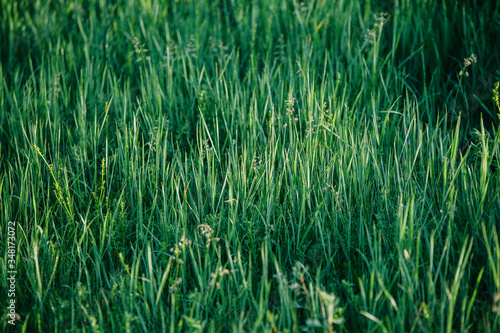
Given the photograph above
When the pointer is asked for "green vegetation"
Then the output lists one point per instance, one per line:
(263, 165)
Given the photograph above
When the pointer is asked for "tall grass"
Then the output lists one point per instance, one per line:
(251, 166)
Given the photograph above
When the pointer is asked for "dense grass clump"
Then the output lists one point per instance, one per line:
(276, 166)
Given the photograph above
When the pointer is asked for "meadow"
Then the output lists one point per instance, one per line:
(250, 166)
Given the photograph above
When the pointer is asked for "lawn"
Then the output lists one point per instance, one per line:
(249, 166)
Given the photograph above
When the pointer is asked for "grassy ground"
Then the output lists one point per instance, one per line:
(250, 165)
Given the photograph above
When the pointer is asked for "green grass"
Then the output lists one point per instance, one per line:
(254, 166)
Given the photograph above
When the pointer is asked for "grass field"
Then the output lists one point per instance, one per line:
(262, 166)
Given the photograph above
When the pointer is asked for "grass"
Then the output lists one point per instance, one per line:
(251, 166)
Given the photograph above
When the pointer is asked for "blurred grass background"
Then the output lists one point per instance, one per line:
(251, 166)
